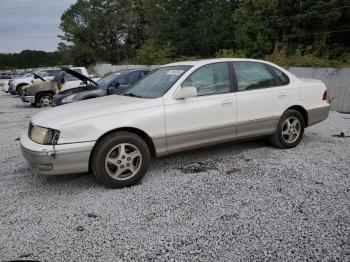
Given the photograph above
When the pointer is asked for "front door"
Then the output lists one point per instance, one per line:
(206, 119)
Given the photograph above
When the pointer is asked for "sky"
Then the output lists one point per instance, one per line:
(31, 24)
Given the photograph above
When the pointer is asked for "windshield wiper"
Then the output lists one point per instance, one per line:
(133, 95)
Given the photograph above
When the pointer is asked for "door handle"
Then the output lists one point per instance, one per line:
(227, 102)
(282, 95)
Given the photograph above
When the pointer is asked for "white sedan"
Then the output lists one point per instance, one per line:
(178, 107)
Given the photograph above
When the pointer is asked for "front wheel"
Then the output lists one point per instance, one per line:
(289, 131)
(44, 100)
(120, 160)
(19, 90)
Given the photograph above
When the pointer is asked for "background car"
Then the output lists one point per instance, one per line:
(16, 84)
(41, 94)
(4, 80)
(114, 83)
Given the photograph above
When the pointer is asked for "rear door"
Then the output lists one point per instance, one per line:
(261, 98)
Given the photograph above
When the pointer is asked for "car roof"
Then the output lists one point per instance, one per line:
(124, 71)
(209, 61)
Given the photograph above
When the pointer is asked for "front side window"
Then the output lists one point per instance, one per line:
(253, 75)
(210, 79)
(105, 81)
(157, 83)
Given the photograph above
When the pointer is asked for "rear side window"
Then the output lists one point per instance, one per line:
(252, 76)
(282, 78)
(134, 76)
(145, 73)
(130, 78)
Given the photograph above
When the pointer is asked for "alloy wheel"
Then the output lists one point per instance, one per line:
(123, 161)
(291, 130)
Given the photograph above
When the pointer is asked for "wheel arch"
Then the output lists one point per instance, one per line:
(142, 134)
(302, 111)
(20, 85)
(44, 92)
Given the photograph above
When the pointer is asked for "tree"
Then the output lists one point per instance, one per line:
(255, 27)
(100, 24)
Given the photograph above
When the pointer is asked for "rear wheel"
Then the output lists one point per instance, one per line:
(120, 160)
(289, 131)
(44, 100)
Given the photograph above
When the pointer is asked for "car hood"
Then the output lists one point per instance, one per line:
(79, 76)
(89, 109)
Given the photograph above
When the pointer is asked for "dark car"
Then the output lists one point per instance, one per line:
(115, 83)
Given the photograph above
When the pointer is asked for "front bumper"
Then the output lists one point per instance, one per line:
(61, 160)
(28, 99)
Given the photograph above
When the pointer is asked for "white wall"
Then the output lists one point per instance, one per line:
(103, 69)
(336, 80)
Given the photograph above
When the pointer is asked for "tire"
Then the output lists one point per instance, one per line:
(19, 90)
(44, 100)
(289, 135)
(122, 169)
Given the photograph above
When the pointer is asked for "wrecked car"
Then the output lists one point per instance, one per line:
(17, 84)
(115, 83)
(41, 94)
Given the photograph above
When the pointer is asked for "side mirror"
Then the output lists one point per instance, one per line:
(35, 77)
(186, 92)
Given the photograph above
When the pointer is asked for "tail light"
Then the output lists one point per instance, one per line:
(325, 96)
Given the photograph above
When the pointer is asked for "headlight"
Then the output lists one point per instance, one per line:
(42, 135)
(69, 99)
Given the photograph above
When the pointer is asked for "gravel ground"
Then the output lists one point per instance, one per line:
(244, 202)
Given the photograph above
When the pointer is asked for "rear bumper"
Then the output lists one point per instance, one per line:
(317, 115)
(28, 99)
(64, 159)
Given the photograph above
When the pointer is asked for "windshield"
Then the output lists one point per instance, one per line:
(107, 79)
(157, 83)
